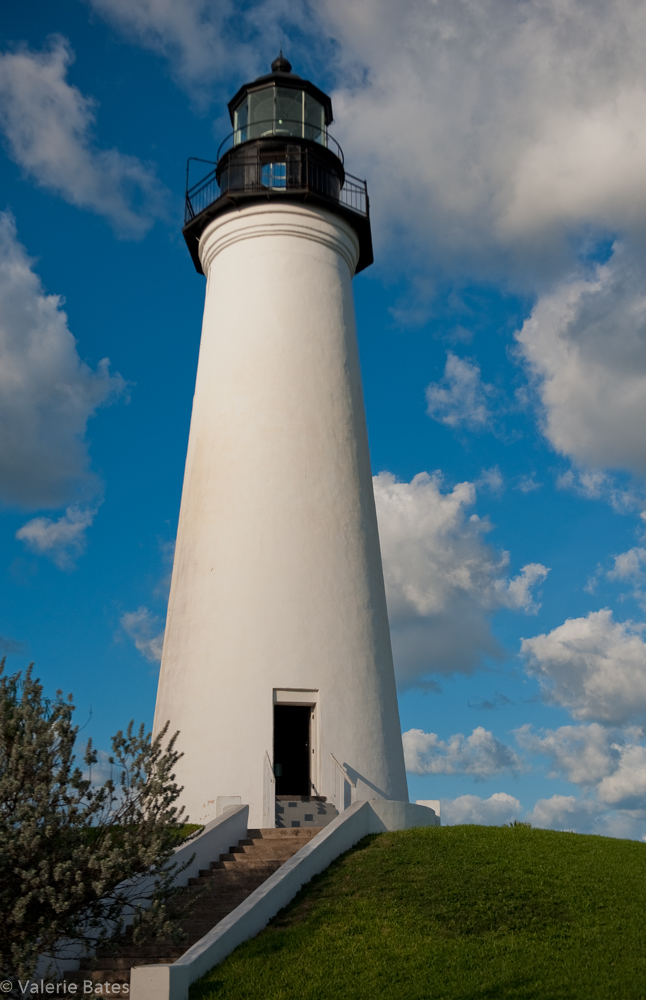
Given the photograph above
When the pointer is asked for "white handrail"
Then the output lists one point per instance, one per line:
(340, 797)
(269, 793)
(343, 771)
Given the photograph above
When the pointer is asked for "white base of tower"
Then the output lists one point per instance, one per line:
(277, 595)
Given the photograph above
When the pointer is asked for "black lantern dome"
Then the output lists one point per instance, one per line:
(280, 148)
(280, 104)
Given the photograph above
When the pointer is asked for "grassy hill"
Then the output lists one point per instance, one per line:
(456, 913)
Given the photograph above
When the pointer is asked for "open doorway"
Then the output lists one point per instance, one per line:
(292, 740)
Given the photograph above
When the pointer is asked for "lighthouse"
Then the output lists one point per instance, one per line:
(277, 666)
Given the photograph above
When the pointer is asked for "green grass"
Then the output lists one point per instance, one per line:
(187, 829)
(455, 913)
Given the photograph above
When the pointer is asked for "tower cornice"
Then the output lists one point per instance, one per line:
(272, 220)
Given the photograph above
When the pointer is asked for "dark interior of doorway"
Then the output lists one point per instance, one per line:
(292, 749)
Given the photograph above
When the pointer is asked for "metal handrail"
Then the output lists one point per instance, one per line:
(340, 803)
(343, 771)
(271, 766)
(197, 159)
(305, 173)
(322, 136)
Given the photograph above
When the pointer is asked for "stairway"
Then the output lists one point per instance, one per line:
(226, 884)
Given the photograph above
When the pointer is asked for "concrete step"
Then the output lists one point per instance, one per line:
(100, 975)
(280, 833)
(212, 889)
(275, 849)
(251, 861)
(225, 884)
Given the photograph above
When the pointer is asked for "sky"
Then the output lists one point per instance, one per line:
(502, 331)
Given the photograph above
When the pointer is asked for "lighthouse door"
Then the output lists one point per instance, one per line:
(292, 754)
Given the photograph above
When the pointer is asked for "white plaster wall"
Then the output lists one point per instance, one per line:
(277, 581)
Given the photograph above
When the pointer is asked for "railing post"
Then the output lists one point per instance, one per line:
(344, 776)
(269, 793)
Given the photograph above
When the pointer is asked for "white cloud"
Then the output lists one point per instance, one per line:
(595, 484)
(585, 754)
(593, 666)
(499, 808)
(48, 125)
(508, 126)
(201, 39)
(610, 764)
(626, 786)
(518, 589)
(47, 394)
(146, 631)
(491, 479)
(528, 484)
(442, 581)
(565, 812)
(102, 771)
(585, 346)
(587, 815)
(461, 398)
(63, 541)
(560, 812)
(480, 754)
(628, 565)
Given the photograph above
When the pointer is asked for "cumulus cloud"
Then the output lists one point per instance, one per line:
(47, 394)
(609, 764)
(442, 581)
(524, 147)
(629, 567)
(48, 126)
(560, 812)
(202, 40)
(517, 591)
(146, 631)
(594, 666)
(508, 127)
(64, 540)
(595, 484)
(626, 787)
(588, 815)
(499, 808)
(565, 812)
(585, 754)
(480, 754)
(461, 398)
(585, 346)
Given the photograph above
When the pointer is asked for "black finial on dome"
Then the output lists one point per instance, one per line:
(281, 65)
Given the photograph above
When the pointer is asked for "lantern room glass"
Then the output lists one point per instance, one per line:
(279, 111)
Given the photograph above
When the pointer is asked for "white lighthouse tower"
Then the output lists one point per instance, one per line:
(277, 666)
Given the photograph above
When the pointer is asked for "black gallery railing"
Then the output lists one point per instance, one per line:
(284, 128)
(300, 171)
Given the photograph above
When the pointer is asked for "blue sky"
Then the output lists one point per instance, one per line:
(502, 332)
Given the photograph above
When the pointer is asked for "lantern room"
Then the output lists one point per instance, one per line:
(282, 105)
